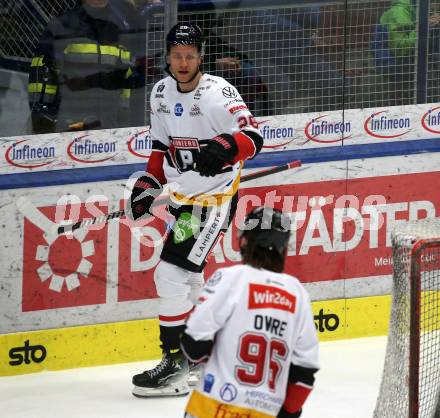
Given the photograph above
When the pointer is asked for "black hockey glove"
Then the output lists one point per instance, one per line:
(284, 414)
(220, 150)
(145, 190)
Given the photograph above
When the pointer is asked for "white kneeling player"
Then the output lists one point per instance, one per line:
(255, 328)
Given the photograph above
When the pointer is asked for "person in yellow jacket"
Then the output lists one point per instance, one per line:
(81, 75)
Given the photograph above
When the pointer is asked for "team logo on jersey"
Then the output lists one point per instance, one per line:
(178, 109)
(262, 296)
(214, 279)
(186, 227)
(161, 88)
(228, 392)
(183, 153)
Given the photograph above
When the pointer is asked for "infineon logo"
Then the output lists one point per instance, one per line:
(431, 119)
(385, 126)
(327, 131)
(262, 296)
(20, 154)
(273, 135)
(140, 144)
(85, 150)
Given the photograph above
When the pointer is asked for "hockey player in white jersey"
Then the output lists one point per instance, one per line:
(202, 132)
(254, 326)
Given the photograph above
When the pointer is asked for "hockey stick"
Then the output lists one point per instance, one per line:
(268, 172)
(37, 218)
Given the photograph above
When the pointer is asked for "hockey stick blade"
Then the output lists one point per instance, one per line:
(28, 210)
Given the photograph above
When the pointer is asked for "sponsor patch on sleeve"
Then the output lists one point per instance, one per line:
(238, 108)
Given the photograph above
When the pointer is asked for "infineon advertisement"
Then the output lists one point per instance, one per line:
(363, 172)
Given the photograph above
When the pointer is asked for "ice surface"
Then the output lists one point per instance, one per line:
(346, 387)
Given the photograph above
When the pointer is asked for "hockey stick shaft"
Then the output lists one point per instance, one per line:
(274, 170)
(91, 221)
(120, 213)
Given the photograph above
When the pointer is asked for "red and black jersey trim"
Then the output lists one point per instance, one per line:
(155, 166)
(299, 386)
(249, 144)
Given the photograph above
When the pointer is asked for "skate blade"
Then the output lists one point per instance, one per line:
(195, 373)
(193, 379)
(170, 390)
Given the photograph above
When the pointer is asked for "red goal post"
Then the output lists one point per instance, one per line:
(410, 385)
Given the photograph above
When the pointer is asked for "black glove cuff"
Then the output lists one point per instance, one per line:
(284, 414)
(228, 143)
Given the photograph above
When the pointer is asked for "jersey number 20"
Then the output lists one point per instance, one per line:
(260, 357)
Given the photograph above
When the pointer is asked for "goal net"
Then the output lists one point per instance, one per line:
(411, 377)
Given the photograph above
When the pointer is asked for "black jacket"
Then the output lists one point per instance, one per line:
(81, 73)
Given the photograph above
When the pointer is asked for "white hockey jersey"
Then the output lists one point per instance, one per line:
(262, 322)
(181, 123)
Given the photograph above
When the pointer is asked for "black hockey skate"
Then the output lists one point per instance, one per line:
(168, 378)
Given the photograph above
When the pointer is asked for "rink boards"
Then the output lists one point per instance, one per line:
(79, 301)
(137, 340)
